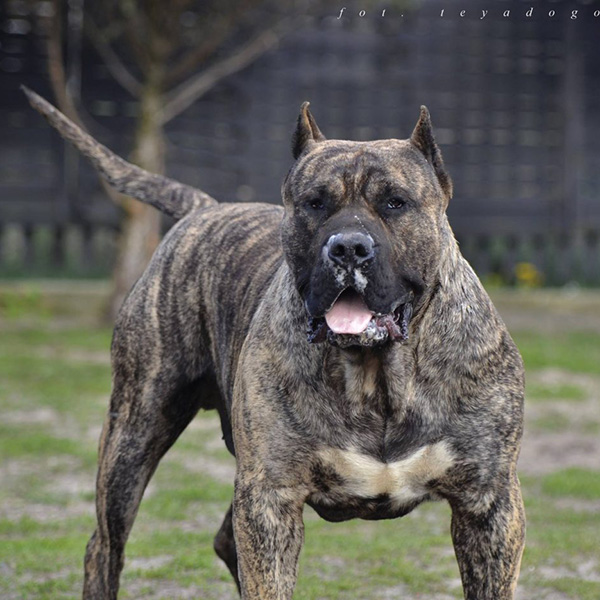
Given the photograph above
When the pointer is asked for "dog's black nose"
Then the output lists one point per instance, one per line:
(350, 249)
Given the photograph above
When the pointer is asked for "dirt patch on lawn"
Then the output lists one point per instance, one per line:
(160, 589)
(573, 444)
(548, 310)
(544, 453)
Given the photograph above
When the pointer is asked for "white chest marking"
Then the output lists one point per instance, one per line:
(403, 480)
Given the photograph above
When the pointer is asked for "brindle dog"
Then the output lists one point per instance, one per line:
(354, 358)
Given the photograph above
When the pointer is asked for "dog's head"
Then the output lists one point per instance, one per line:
(361, 231)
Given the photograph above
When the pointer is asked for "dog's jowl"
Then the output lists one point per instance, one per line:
(356, 362)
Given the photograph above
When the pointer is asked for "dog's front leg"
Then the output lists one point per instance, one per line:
(489, 543)
(272, 453)
(269, 532)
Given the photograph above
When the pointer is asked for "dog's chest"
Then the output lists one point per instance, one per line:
(351, 484)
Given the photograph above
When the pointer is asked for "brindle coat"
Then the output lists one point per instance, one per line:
(352, 427)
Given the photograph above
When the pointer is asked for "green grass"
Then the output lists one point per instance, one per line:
(14, 305)
(357, 558)
(564, 391)
(576, 483)
(33, 442)
(578, 351)
(29, 339)
(54, 388)
(575, 587)
(552, 422)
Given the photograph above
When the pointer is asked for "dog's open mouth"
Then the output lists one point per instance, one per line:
(349, 322)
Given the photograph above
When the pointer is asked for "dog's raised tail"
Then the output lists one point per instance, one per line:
(167, 195)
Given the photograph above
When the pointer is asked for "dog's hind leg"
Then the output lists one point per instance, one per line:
(145, 418)
(225, 546)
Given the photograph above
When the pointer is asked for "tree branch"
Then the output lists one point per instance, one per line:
(58, 81)
(113, 63)
(187, 93)
(221, 26)
(189, 62)
(56, 68)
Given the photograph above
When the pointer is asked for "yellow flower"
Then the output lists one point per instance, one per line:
(528, 275)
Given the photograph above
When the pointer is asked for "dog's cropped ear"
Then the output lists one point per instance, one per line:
(307, 131)
(422, 138)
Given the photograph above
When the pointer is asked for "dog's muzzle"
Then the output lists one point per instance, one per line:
(349, 264)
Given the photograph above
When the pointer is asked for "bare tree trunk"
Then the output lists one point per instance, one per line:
(153, 45)
(140, 228)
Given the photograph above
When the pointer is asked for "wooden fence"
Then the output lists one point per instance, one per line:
(514, 105)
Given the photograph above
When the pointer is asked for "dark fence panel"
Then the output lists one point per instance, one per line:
(514, 105)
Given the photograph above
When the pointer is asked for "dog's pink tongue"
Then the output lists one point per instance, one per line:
(349, 314)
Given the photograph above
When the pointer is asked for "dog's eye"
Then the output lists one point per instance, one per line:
(315, 204)
(396, 202)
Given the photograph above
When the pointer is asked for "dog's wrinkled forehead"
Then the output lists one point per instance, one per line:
(413, 165)
(359, 169)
